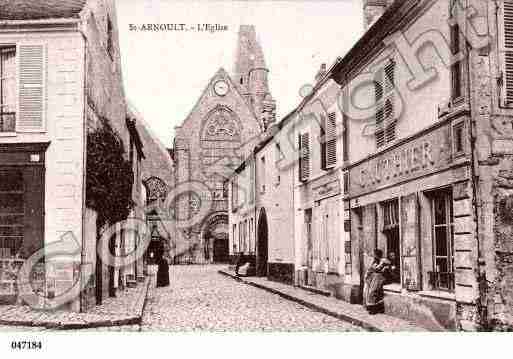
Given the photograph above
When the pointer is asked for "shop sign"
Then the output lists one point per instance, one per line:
(326, 190)
(411, 160)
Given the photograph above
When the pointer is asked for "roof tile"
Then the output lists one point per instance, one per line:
(40, 9)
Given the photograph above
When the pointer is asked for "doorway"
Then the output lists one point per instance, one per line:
(262, 245)
(221, 250)
(393, 238)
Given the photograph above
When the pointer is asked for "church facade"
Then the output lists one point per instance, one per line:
(223, 127)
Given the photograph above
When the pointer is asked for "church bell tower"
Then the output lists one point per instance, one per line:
(251, 76)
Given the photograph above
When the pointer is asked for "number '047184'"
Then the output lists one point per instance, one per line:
(26, 345)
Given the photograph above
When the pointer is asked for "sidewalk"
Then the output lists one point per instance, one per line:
(352, 313)
(125, 309)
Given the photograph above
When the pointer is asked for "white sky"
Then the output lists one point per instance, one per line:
(166, 72)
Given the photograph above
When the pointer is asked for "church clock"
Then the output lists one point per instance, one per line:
(221, 88)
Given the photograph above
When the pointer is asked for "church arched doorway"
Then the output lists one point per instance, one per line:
(262, 244)
(215, 238)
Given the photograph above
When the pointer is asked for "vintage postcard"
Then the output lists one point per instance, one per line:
(172, 166)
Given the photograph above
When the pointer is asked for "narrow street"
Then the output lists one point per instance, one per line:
(200, 299)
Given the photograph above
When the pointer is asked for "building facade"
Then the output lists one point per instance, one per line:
(318, 182)
(261, 213)
(414, 159)
(61, 80)
(427, 166)
(213, 140)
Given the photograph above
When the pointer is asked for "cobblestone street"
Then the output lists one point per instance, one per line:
(200, 299)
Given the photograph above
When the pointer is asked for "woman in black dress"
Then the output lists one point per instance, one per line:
(163, 273)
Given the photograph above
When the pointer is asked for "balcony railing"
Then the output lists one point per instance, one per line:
(441, 280)
(7, 122)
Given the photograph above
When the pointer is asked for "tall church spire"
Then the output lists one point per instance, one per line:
(251, 75)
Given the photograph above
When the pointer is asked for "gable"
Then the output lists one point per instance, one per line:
(237, 112)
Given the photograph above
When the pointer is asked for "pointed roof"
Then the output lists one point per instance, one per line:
(40, 9)
(221, 73)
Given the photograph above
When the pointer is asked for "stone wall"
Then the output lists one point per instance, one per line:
(105, 97)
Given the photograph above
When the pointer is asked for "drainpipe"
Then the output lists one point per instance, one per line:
(255, 221)
(255, 206)
(475, 175)
(84, 166)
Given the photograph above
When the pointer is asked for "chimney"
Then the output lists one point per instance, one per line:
(372, 11)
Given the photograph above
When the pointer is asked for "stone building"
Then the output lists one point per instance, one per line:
(424, 158)
(157, 180)
(261, 216)
(229, 116)
(318, 204)
(429, 164)
(61, 78)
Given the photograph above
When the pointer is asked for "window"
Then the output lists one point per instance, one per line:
(279, 157)
(304, 156)
(246, 235)
(250, 236)
(309, 239)
(234, 236)
(384, 88)
(7, 89)
(225, 189)
(507, 44)
(243, 229)
(346, 182)
(345, 138)
(12, 212)
(458, 138)
(240, 237)
(328, 136)
(456, 67)
(442, 277)
(263, 178)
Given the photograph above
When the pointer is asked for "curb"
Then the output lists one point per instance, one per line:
(132, 320)
(344, 317)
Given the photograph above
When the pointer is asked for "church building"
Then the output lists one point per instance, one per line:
(223, 127)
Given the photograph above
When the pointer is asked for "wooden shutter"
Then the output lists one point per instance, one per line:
(388, 107)
(369, 235)
(304, 159)
(507, 43)
(380, 115)
(32, 66)
(34, 211)
(410, 241)
(331, 140)
(323, 141)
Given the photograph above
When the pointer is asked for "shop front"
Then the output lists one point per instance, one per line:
(22, 168)
(414, 202)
